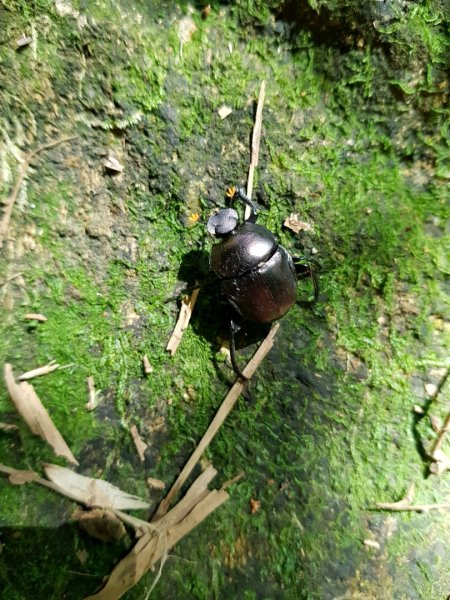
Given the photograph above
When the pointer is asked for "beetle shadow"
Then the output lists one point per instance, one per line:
(213, 313)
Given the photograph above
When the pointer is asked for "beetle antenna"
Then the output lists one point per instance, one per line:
(234, 191)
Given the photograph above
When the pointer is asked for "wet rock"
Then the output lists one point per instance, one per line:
(99, 220)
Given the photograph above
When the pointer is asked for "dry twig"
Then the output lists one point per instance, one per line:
(92, 402)
(219, 418)
(35, 317)
(187, 306)
(233, 480)
(195, 506)
(51, 366)
(406, 504)
(8, 279)
(440, 460)
(10, 201)
(372, 544)
(256, 139)
(148, 369)
(8, 427)
(412, 507)
(140, 445)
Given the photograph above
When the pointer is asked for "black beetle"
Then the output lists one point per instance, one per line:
(257, 275)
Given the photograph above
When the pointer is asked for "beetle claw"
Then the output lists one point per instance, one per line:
(234, 328)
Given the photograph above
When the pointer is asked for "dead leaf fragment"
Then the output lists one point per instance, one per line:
(112, 164)
(431, 389)
(186, 29)
(23, 41)
(156, 484)
(92, 492)
(8, 427)
(100, 524)
(255, 505)
(35, 415)
(296, 225)
(224, 111)
(82, 555)
(187, 306)
(19, 477)
(372, 544)
(206, 11)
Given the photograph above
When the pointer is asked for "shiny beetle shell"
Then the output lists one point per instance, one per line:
(257, 275)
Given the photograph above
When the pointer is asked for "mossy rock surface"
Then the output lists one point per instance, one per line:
(355, 142)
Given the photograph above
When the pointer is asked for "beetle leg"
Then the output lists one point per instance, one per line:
(234, 328)
(301, 270)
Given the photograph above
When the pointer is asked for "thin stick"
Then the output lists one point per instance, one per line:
(51, 366)
(256, 139)
(35, 317)
(441, 461)
(139, 443)
(92, 402)
(10, 201)
(187, 306)
(3, 283)
(148, 369)
(406, 503)
(233, 480)
(440, 437)
(8, 426)
(215, 424)
(412, 507)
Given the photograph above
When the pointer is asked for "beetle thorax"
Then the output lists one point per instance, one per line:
(244, 249)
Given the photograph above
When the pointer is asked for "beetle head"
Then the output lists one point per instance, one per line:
(222, 222)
